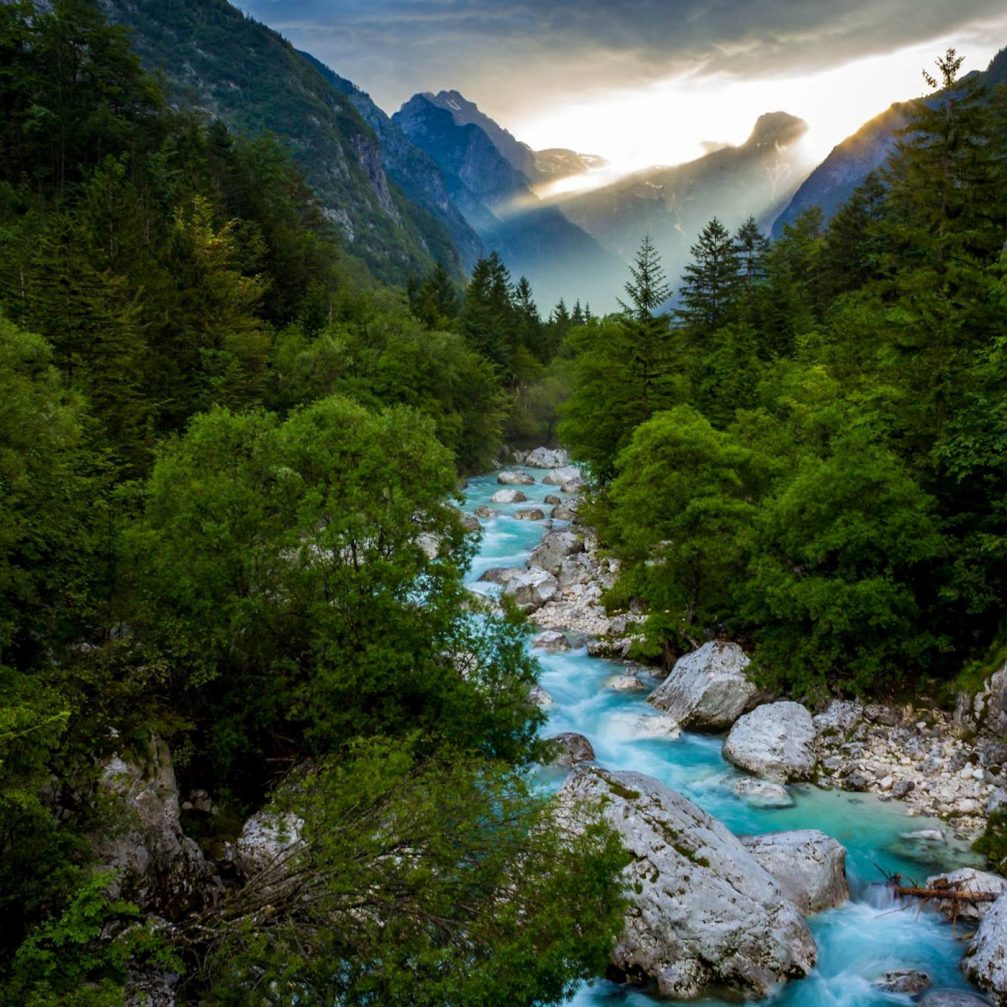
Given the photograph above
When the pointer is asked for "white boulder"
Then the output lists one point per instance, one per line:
(268, 840)
(531, 589)
(707, 690)
(563, 475)
(807, 864)
(547, 458)
(515, 479)
(555, 547)
(775, 741)
(508, 497)
(703, 912)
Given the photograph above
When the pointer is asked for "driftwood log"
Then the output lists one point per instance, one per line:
(954, 893)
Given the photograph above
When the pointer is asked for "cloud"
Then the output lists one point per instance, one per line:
(512, 54)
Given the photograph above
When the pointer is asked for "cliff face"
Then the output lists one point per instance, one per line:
(410, 168)
(215, 59)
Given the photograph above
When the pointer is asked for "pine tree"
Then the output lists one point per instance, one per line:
(751, 245)
(711, 279)
(648, 332)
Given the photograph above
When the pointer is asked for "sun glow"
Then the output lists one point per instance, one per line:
(677, 119)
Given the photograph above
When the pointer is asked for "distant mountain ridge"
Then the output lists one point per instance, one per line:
(849, 163)
(672, 204)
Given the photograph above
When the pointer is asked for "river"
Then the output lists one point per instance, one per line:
(856, 942)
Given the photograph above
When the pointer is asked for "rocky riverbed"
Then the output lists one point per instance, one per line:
(941, 764)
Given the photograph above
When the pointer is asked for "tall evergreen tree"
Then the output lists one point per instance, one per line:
(711, 279)
(751, 245)
(648, 332)
(488, 317)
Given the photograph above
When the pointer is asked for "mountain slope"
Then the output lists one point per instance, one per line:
(214, 58)
(849, 163)
(409, 167)
(496, 198)
(672, 204)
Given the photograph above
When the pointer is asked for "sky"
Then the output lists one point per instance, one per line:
(644, 82)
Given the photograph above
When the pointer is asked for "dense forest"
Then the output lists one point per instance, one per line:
(225, 449)
(223, 446)
(808, 454)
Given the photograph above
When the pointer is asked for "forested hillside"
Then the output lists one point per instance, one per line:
(228, 557)
(809, 456)
(214, 59)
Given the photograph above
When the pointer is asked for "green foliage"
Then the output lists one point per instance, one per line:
(386, 357)
(427, 882)
(992, 844)
(622, 372)
(281, 567)
(47, 501)
(82, 957)
(833, 591)
(682, 518)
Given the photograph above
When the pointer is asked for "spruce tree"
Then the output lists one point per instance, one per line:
(751, 246)
(711, 279)
(648, 334)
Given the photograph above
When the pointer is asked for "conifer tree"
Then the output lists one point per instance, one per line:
(648, 333)
(752, 246)
(711, 279)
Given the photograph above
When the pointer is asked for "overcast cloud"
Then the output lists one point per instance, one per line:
(510, 55)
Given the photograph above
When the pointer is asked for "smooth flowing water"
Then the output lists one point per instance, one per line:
(856, 942)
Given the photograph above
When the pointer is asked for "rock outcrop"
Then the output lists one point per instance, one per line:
(707, 690)
(807, 864)
(775, 741)
(704, 913)
(531, 589)
(156, 864)
(570, 749)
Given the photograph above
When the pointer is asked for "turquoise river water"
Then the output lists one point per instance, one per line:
(857, 941)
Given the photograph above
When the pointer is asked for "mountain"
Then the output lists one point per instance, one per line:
(497, 200)
(557, 162)
(536, 165)
(409, 167)
(849, 163)
(672, 204)
(832, 183)
(214, 58)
